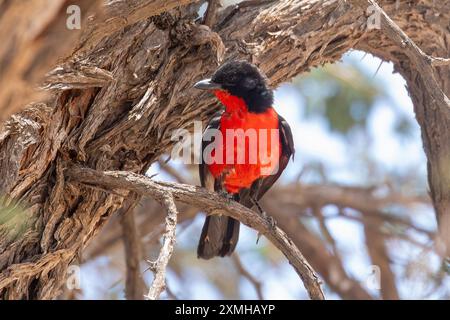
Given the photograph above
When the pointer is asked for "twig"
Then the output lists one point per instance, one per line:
(211, 13)
(206, 201)
(246, 274)
(159, 267)
(134, 286)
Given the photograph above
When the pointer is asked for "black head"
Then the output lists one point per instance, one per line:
(242, 79)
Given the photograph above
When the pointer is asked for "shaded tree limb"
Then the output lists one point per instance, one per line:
(34, 36)
(210, 202)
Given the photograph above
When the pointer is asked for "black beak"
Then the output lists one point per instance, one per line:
(207, 84)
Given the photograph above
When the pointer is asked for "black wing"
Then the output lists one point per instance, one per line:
(260, 186)
(206, 178)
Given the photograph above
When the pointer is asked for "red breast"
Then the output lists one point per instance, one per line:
(241, 173)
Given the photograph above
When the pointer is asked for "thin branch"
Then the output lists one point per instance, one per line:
(209, 202)
(160, 265)
(246, 274)
(134, 286)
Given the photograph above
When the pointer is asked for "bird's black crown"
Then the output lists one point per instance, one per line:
(243, 79)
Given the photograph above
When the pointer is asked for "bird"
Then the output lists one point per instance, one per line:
(247, 99)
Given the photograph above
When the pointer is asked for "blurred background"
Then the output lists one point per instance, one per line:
(355, 200)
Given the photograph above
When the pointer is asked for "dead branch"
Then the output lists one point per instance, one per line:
(209, 202)
(150, 224)
(362, 199)
(159, 266)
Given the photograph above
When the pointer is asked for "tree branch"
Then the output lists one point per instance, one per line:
(159, 266)
(209, 202)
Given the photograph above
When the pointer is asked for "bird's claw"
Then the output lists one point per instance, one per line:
(270, 220)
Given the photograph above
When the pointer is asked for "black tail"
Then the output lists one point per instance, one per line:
(219, 237)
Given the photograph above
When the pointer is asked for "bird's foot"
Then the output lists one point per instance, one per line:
(265, 216)
(270, 220)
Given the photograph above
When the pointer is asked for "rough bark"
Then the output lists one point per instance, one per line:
(116, 101)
